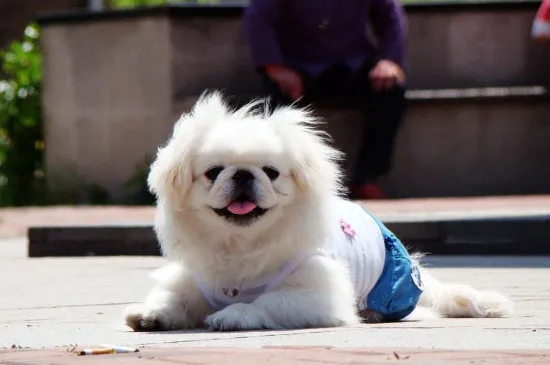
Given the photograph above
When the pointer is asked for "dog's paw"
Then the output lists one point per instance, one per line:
(238, 317)
(370, 316)
(141, 317)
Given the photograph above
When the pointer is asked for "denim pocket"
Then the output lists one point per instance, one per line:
(404, 289)
(398, 289)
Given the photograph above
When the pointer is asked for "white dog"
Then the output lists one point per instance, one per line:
(250, 217)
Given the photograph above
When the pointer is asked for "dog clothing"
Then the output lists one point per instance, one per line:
(385, 278)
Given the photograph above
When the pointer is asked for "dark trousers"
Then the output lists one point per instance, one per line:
(384, 112)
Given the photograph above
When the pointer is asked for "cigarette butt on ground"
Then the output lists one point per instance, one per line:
(101, 351)
(108, 349)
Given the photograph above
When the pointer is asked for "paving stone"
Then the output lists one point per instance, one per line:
(297, 355)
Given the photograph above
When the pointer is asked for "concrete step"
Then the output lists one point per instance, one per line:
(460, 226)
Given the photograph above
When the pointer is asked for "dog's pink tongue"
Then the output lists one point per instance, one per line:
(241, 208)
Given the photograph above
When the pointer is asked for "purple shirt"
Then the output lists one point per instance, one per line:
(312, 35)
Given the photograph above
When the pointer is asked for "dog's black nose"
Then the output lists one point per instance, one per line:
(243, 177)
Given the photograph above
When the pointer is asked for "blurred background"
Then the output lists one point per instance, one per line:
(90, 89)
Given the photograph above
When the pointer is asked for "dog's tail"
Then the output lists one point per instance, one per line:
(462, 301)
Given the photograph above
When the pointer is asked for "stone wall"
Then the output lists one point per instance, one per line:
(115, 82)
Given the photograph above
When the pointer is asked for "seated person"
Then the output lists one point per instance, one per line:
(315, 50)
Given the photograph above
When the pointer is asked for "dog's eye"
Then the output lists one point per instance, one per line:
(271, 172)
(212, 174)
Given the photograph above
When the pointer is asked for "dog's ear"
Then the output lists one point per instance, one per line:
(316, 169)
(171, 174)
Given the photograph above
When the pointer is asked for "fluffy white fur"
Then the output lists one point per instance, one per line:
(197, 241)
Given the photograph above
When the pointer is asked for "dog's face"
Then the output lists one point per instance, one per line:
(242, 174)
(242, 170)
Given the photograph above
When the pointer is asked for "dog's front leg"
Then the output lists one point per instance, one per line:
(318, 294)
(175, 304)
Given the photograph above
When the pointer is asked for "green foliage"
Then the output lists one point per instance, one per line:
(137, 191)
(136, 3)
(122, 4)
(21, 139)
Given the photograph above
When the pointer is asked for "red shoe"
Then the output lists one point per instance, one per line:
(368, 192)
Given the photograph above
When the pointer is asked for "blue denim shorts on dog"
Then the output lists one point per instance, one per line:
(396, 293)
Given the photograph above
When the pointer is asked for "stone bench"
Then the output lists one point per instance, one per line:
(115, 82)
(470, 142)
(457, 142)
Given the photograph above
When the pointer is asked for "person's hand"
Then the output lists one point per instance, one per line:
(288, 80)
(385, 74)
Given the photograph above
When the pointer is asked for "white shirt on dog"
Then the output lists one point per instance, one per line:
(355, 240)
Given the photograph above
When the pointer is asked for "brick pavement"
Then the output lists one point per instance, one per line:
(56, 301)
(52, 302)
(277, 355)
(15, 221)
